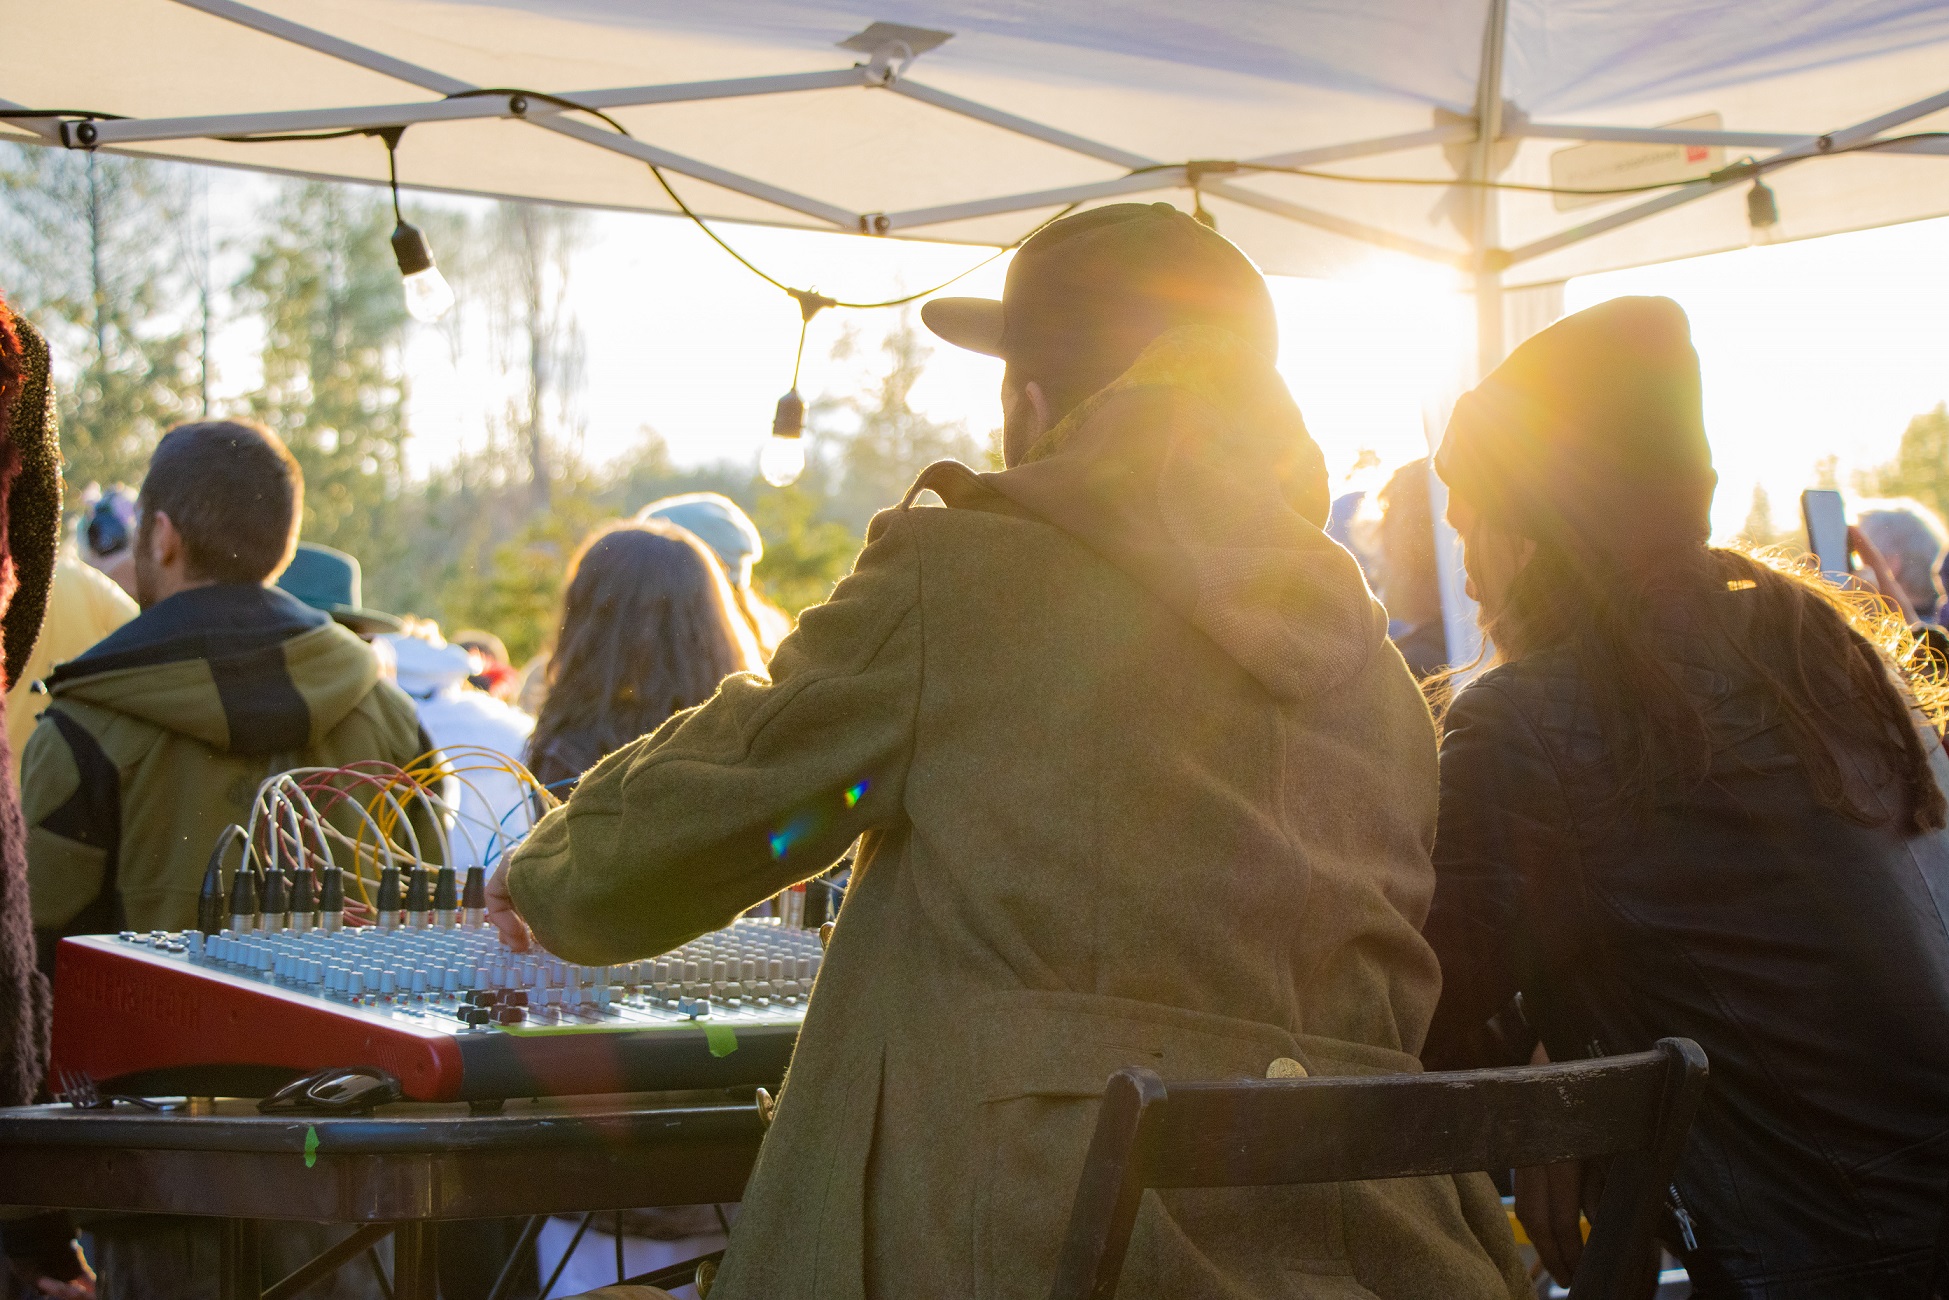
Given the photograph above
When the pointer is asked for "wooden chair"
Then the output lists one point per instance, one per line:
(1259, 1133)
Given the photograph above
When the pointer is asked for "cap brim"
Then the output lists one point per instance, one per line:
(971, 323)
(365, 622)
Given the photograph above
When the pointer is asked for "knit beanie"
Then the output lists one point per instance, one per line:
(1591, 436)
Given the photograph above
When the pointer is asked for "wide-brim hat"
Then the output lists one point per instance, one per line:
(328, 579)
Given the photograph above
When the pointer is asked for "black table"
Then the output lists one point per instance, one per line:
(397, 1172)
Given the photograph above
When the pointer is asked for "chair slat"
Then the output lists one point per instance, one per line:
(1270, 1132)
(1230, 1135)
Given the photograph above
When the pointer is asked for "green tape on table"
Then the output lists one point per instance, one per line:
(723, 1039)
(311, 1145)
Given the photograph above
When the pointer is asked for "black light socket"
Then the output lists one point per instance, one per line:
(788, 421)
(409, 247)
(1762, 207)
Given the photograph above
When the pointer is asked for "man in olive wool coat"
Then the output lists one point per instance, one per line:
(1141, 782)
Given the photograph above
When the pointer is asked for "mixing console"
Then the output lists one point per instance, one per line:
(439, 1003)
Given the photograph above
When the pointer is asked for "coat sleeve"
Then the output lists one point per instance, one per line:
(1499, 823)
(763, 786)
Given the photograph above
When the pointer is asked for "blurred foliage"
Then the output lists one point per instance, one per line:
(1760, 529)
(91, 249)
(323, 280)
(1921, 465)
(108, 255)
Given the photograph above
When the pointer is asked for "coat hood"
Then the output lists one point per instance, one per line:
(1194, 474)
(246, 670)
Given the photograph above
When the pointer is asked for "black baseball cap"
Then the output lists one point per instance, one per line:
(1087, 293)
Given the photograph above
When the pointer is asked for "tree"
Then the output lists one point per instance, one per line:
(324, 280)
(1921, 465)
(531, 249)
(89, 256)
(1759, 530)
(880, 459)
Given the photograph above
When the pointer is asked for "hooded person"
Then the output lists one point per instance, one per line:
(1139, 781)
(158, 737)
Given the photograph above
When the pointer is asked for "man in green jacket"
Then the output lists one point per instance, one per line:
(158, 737)
(1140, 781)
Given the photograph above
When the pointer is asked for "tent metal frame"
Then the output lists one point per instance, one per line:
(885, 70)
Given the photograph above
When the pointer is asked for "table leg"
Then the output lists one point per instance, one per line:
(238, 1261)
(415, 1250)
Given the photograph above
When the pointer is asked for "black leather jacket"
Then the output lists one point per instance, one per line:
(1807, 954)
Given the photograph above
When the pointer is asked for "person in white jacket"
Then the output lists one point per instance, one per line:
(462, 721)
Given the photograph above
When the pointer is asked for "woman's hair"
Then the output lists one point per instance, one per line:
(1832, 661)
(647, 629)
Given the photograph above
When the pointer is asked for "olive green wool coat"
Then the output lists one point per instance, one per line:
(1141, 783)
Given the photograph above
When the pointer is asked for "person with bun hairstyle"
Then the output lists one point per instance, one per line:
(1694, 795)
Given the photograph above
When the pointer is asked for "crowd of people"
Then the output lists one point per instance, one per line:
(1137, 769)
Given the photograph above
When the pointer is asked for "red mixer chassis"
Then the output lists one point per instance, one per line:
(238, 1015)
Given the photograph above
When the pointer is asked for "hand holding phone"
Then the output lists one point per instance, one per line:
(1827, 531)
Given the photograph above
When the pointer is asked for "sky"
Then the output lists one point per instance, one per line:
(1823, 347)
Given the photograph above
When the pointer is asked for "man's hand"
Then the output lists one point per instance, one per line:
(1549, 1201)
(502, 915)
(40, 1275)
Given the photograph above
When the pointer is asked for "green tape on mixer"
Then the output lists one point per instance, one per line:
(723, 1039)
(311, 1145)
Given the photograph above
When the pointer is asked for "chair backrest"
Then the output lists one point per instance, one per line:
(1258, 1133)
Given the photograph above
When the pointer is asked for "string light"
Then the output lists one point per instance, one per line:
(1762, 209)
(428, 295)
(783, 458)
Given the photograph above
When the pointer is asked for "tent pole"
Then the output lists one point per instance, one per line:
(1465, 642)
(1808, 146)
(440, 84)
(1485, 232)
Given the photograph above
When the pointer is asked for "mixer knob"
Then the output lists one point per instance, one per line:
(474, 1016)
(510, 1015)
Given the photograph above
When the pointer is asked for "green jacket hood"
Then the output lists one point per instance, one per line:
(1194, 474)
(246, 670)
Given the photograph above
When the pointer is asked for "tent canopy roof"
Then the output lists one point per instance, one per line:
(1029, 105)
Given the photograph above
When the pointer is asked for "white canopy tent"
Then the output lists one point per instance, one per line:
(975, 123)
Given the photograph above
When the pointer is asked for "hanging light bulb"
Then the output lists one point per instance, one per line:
(783, 459)
(1762, 211)
(428, 295)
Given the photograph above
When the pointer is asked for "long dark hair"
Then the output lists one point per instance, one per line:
(1843, 671)
(647, 629)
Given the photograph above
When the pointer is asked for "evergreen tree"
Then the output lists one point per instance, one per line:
(87, 253)
(324, 281)
(1759, 530)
